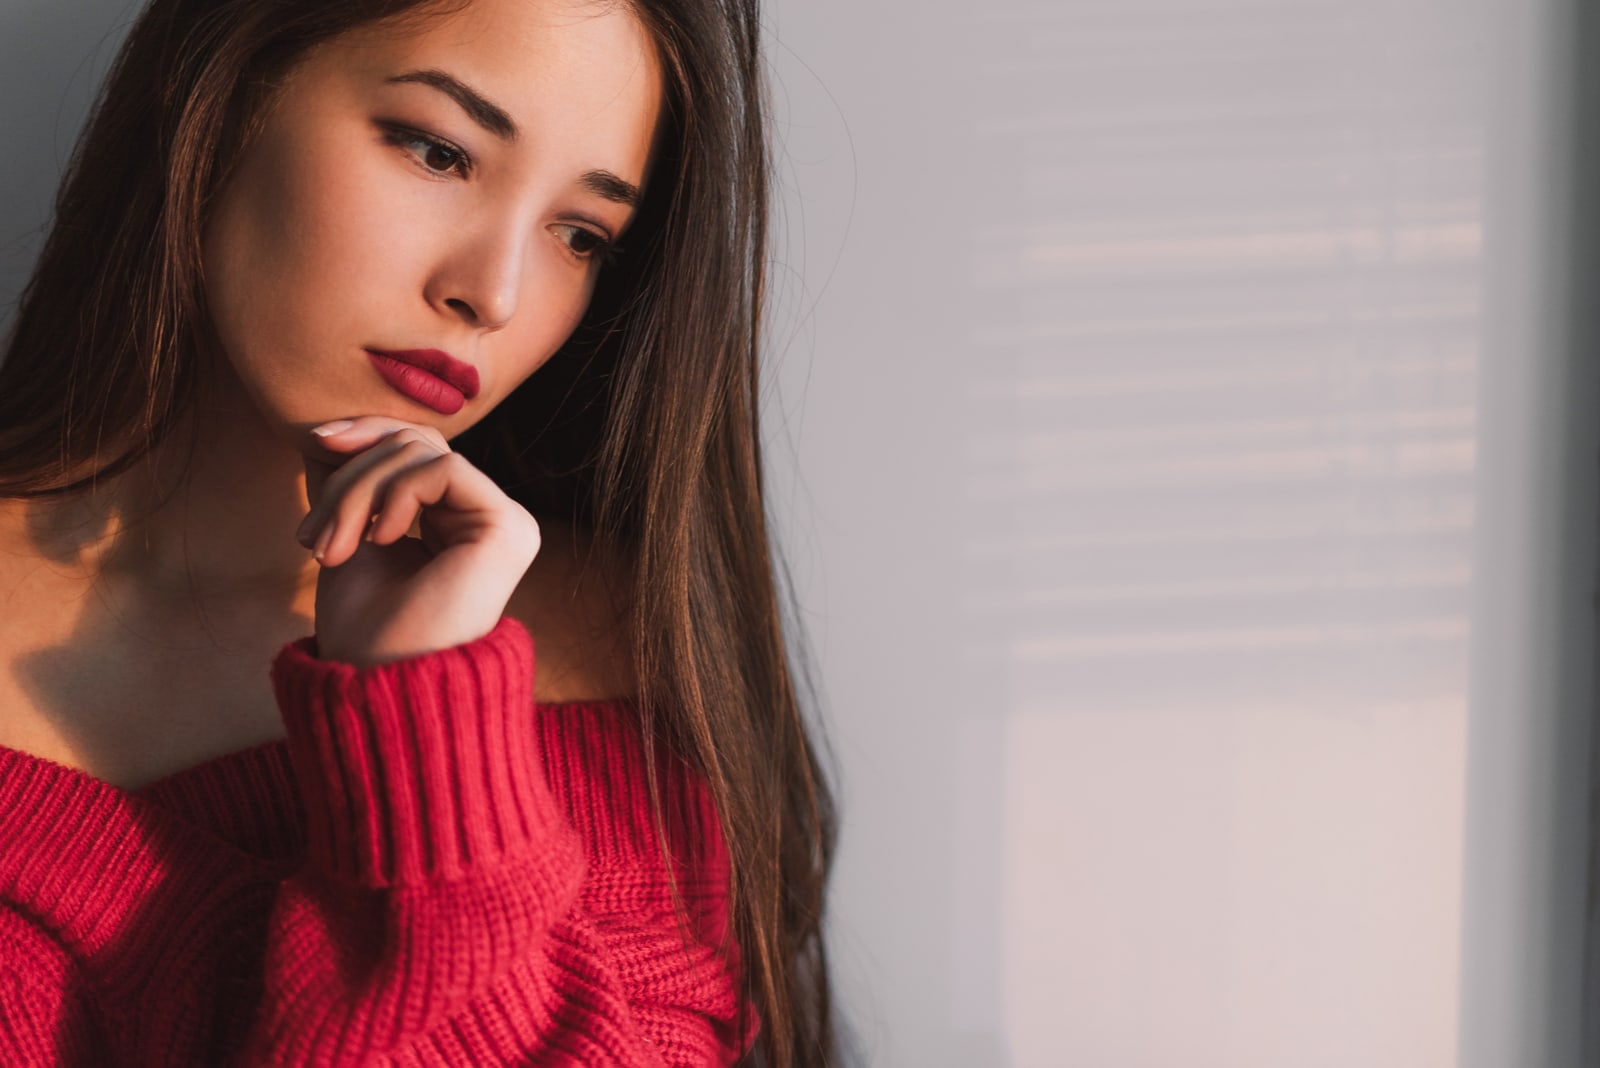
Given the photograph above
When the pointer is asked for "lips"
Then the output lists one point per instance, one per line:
(430, 377)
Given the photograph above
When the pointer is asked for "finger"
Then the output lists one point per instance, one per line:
(398, 507)
(349, 508)
(317, 473)
(349, 435)
(336, 482)
(452, 484)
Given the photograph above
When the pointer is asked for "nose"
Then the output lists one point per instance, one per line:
(479, 280)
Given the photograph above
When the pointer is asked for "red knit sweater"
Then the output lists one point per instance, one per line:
(427, 870)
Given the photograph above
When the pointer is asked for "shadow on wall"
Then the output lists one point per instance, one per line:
(53, 57)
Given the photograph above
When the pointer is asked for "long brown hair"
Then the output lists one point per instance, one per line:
(642, 431)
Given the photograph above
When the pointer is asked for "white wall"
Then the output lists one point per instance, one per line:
(1194, 507)
(1189, 495)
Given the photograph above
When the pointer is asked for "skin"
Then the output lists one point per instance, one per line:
(336, 233)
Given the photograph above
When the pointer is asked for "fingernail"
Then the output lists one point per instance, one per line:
(322, 541)
(330, 429)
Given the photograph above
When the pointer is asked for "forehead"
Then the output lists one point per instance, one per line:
(567, 72)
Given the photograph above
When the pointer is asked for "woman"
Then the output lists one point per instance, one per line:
(303, 268)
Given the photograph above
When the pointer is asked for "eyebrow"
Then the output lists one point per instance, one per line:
(490, 117)
(494, 119)
(607, 185)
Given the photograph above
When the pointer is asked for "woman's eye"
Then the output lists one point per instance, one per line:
(583, 242)
(438, 156)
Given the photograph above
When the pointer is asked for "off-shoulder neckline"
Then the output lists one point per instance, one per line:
(261, 752)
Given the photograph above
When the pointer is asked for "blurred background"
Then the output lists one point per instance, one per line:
(1181, 430)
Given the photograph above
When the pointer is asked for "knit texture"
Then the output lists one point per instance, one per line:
(429, 869)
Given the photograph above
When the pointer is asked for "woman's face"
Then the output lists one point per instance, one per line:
(450, 187)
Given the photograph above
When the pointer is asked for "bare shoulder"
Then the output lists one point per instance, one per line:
(40, 608)
(570, 601)
(36, 588)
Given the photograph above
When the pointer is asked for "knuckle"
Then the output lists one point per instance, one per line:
(422, 468)
(426, 436)
(527, 527)
(419, 447)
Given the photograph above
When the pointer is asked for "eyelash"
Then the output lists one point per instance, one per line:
(403, 137)
(603, 250)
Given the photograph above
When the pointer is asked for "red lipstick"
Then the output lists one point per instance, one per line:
(429, 377)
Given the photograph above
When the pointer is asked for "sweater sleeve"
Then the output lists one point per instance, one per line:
(440, 914)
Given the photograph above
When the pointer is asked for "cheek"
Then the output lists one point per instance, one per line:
(555, 306)
(296, 244)
(512, 356)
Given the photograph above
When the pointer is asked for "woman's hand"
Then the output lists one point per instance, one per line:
(383, 595)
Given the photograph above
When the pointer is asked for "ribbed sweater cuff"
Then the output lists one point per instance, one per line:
(420, 769)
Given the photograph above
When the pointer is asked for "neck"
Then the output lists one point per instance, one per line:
(209, 513)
